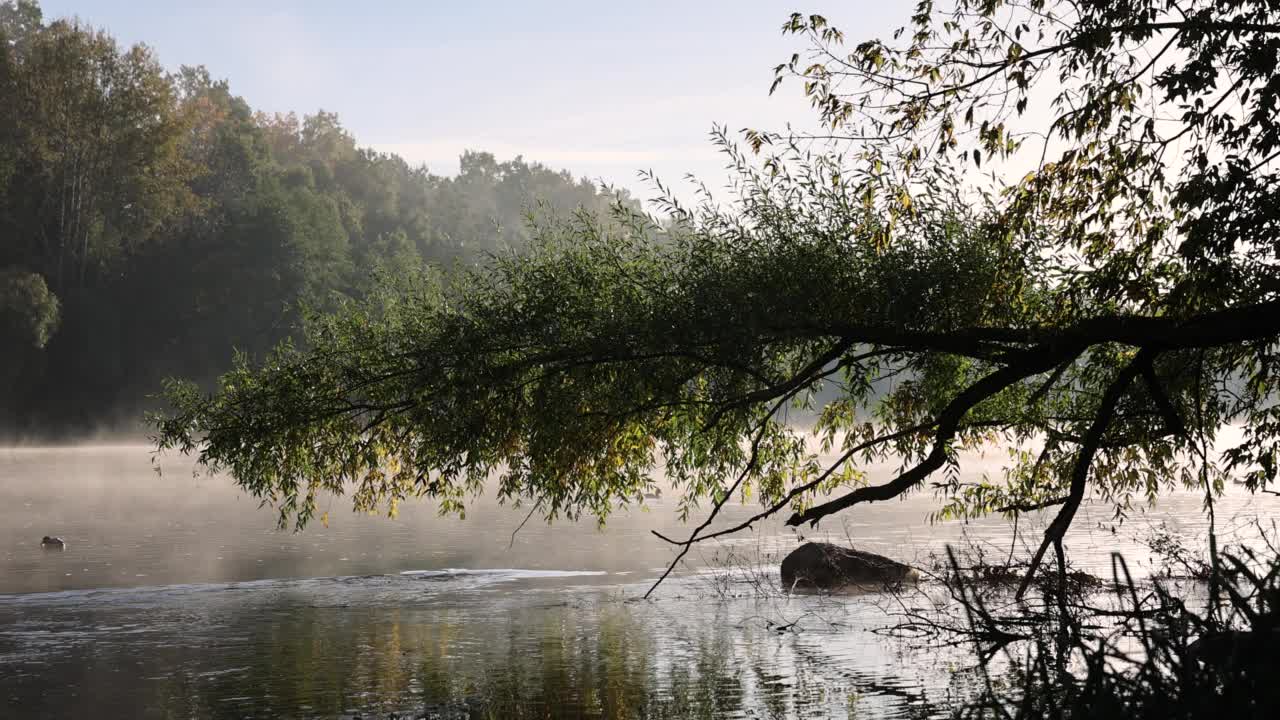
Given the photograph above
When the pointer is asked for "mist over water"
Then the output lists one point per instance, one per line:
(128, 525)
(177, 593)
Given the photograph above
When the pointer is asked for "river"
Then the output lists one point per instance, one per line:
(177, 597)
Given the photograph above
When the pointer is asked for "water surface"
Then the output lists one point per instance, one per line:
(178, 597)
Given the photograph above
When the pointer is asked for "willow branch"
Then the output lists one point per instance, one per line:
(1084, 460)
(948, 425)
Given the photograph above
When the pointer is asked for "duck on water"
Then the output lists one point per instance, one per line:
(53, 543)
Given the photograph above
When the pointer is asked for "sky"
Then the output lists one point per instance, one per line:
(601, 89)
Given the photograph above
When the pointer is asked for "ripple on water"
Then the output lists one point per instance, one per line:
(331, 641)
(178, 596)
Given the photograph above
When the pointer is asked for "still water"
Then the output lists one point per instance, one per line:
(178, 598)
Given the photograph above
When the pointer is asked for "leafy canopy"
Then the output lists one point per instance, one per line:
(1103, 314)
(28, 311)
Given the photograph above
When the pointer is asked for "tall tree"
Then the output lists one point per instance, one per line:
(1105, 315)
(99, 132)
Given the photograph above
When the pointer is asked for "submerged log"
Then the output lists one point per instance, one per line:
(828, 567)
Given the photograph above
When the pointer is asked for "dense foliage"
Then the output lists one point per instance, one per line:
(171, 223)
(1103, 304)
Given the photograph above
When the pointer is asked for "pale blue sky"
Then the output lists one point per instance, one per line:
(602, 89)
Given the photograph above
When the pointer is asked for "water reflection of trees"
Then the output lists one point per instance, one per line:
(525, 663)
(268, 654)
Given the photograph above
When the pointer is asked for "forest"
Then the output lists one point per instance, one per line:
(154, 224)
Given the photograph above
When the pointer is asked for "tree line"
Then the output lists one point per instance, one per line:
(152, 223)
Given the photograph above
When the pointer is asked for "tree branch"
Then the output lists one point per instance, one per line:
(948, 425)
(1084, 460)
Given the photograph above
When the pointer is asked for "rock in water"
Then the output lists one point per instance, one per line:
(827, 567)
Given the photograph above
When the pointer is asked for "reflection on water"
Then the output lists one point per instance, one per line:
(176, 597)
(445, 646)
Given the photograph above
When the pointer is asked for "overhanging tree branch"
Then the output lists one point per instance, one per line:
(1084, 462)
(948, 424)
